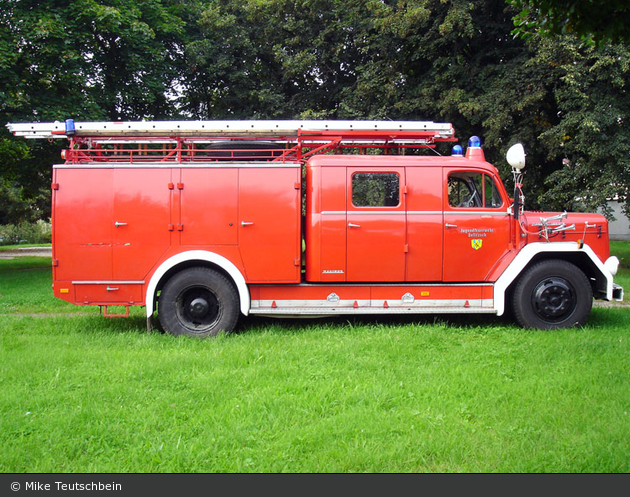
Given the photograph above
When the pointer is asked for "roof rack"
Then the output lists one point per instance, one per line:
(178, 141)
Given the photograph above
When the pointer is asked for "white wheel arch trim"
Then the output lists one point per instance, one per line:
(528, 252)
(198, 255)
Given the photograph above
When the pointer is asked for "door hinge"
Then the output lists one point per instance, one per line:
(406, 247)
(171, 186)
(180, 186)
(54, 186)
(55, 262)
(171, 227)
(297, 262)
(180, 227)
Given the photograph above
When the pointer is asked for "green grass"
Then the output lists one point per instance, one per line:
(83, 393)
(26, 288)
(4, 248)
(622, 251)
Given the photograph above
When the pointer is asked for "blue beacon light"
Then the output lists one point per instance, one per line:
(457, 151)
(70, 129)
(474, 150)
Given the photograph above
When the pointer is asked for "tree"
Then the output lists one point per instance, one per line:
(454, 61)
(230, 69)
(86, 59)
(278, 58)
(591, 140)
(590, 20)
(111, 59)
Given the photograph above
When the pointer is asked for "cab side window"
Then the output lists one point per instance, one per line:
(375, 189)
(473, 189)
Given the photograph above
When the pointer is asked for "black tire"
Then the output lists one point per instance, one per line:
(198, 302)
(552, 294)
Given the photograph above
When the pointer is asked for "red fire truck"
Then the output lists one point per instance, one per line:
(204, 221)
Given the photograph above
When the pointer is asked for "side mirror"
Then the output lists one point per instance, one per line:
(516, 157)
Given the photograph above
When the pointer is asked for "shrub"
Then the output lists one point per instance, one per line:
(37, 232)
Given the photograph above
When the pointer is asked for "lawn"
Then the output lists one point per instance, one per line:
(83, 393)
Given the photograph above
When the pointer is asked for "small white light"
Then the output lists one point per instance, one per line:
(612, 264)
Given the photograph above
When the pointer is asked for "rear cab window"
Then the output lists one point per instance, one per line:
(375, 189)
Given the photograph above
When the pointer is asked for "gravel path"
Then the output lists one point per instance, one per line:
(25, 252)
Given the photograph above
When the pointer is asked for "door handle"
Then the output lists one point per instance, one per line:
(350, 225)
(117, 224)
(246, 223)
(450, 225)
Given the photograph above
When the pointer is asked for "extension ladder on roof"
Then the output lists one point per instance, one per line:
(192, 140)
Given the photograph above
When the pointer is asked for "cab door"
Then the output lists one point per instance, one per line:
(476, 224)
(425, 223)
(375, 224)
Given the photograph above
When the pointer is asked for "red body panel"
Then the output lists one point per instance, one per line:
(591, 228)
(333, 297)
(269, 224)
(325, 223)
(376, 236)
(475, 238)
(142, 211)
(82, 229)
(409, 246)
(209, 206)
(408, 242)
(113, 226)
(425, 223)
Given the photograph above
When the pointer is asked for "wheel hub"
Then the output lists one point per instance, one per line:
(553, 299)
(199, 307)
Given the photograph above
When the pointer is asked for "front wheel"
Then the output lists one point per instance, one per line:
(552, 294)
(198, 302)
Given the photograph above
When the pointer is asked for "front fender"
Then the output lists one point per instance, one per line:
(527, 254)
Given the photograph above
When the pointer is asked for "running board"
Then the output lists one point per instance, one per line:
(334, 311)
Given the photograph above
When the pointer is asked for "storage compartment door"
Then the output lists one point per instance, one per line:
(82, 224)
(141, 220)
(209, 206)
(269, 223)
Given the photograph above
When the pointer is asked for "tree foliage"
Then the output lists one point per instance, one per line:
(454, 61)
(594, 21)
(591, 138)
(87, 59)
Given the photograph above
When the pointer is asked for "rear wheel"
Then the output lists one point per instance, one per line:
(198, 302)
(552, 294)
